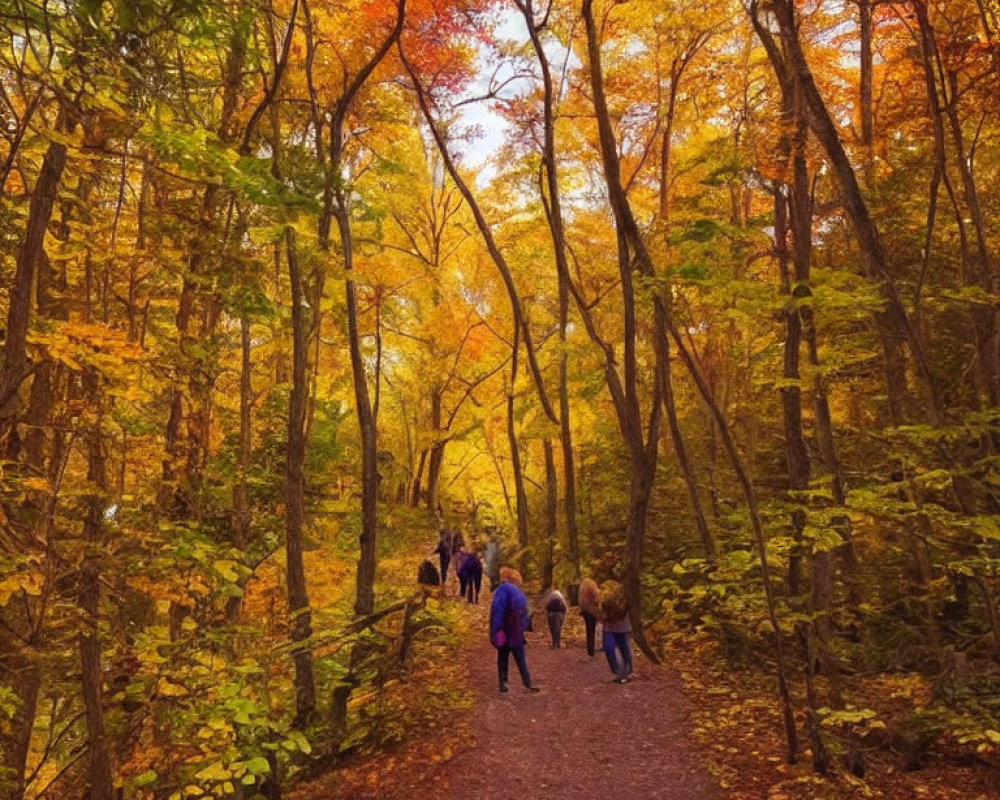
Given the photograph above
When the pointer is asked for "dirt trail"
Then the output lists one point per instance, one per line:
(582, 736)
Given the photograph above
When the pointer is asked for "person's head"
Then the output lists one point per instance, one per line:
(511, 575)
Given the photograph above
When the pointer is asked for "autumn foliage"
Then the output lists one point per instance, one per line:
(720, 300)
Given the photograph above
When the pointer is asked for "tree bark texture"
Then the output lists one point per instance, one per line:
(99, 774)
(299, 612)
(15, 354)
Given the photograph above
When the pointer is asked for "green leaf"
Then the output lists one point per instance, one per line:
(145, 779)
(258, 766)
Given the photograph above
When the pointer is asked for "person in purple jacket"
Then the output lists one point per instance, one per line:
(470, 576)
(508, 622)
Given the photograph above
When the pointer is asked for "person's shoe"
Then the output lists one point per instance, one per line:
(621, 680)
(503, 687)
(533, 689)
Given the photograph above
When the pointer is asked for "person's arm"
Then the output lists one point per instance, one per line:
(498, 609)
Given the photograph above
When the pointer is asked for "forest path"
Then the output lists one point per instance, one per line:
(582, 735)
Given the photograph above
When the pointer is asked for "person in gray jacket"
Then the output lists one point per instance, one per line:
(555, 611)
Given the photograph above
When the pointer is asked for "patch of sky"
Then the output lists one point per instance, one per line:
(501, 77)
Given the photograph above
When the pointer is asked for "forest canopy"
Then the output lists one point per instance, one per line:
(714, 301)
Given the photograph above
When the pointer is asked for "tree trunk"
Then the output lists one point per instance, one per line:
(175, 498)
(628, 233)
(669, 403)
(640, 488)
(364, 602)
(15, 355)
(415, 492)
(893, 324)
(978, 269)
(551, 515)
(24, 677)
(865, 87)
(241, 496)
(300, 615)
(520, 495)
(99, 775)
(435, 452)
(687, 469)
(556, 227)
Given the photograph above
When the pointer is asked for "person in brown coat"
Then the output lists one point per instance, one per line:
(589, 597)
(615, 630)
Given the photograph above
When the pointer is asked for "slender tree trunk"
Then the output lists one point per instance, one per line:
(101, 785)
(435, 452)
(415, 492)
(669, 402)
(364, 602)
(556, 227)
(683, 460)
(15, 366)
(23, 676)
(175, 499)
(628, 231)
(893, 324)
(496, 255)
(551, 514)
(796, 459)
(241, 495)
(976, 262)
(569, 463)
(337, 202)
(988, 15)
(299, 612)
(865, 88)
(434, 462)
(520, 495)
(642, 445)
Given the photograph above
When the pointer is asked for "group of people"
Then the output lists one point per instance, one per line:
(509, 615)
(468, 565)
(510, 619)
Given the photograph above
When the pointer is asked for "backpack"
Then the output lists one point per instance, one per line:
(613, 606)
(428, 574)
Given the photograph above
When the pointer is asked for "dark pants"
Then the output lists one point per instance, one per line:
(472, 586)
(618, 641)
(463, 584)
(590, 622)
(519, 659)
(445, 560)
(556, 619)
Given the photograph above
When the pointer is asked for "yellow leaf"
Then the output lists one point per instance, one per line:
(165, 688)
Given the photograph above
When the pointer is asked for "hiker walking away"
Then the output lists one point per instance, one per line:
(459, 559)
(470, 576)
(443, 551)
(508, 622)
(589, 598)
(615, 630)
(555, 611)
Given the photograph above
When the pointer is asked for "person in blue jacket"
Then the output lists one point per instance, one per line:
(508, 622)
